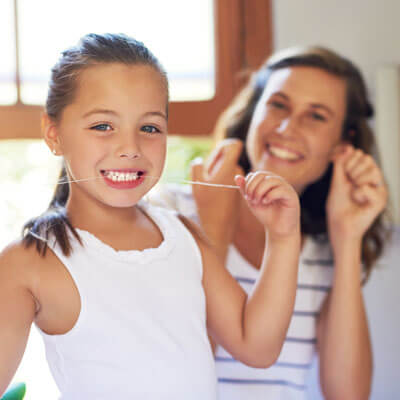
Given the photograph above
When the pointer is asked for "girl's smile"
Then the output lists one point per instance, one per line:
(123, 178)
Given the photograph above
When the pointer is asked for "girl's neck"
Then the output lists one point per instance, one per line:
(93, 216)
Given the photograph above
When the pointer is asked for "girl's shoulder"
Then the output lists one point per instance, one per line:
(18, 259)
(23, 267)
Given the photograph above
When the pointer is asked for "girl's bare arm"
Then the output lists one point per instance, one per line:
(17, 312)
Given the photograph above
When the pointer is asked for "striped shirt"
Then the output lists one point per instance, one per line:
(286, 378)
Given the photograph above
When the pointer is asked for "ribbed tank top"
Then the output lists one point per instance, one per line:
(141, 332)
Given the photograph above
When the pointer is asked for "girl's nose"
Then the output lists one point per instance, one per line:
(129, 149)
(129, 156)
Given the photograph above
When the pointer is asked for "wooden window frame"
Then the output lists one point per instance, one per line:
(243, 35)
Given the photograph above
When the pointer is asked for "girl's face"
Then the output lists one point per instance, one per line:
(115, 130)
(296, 124)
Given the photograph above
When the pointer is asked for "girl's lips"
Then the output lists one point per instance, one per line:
(126, 178)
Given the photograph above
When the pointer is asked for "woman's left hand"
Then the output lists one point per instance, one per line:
(358, 194)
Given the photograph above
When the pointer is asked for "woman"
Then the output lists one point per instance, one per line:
(302, 116)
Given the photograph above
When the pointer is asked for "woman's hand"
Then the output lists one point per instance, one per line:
(273, 201)
(358, 194)
(218, 207)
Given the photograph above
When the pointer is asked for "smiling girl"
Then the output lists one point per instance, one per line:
(123, 292)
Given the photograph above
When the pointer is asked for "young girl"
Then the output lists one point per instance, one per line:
(304, 116)
(122, 292)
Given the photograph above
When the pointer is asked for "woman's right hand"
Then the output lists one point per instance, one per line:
(218, 207)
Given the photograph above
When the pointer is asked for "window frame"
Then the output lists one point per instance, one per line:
(243, 39)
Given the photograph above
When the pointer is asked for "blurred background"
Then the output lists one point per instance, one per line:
(208, 48)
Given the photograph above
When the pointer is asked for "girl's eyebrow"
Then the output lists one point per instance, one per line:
(156, 113)
(111, 112)
(100, 111)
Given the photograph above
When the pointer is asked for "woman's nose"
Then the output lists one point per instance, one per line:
(287, 126)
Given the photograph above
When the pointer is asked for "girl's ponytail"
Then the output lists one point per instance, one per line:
(53, 223)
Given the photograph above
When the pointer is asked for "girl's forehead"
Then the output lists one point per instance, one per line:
(121, 82)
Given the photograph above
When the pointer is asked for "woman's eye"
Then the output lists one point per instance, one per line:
(318, 117)
(278, 104)
(150, 129)
(102, 127)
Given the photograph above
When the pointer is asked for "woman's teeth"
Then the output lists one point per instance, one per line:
(122, 176)
(283, 153)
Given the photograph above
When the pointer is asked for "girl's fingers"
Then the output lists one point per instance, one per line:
(264, 187)
(276, 193)
(259, 182)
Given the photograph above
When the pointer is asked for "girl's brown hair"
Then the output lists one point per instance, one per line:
(91, 50)
(235, 122)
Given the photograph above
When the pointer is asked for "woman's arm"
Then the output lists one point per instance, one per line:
(343, 336)
(357, 196)
(217, 207)
(253, 328)
(17, 312)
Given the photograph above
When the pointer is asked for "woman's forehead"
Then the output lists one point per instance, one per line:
(308, 85)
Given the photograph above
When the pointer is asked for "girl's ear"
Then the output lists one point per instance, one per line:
(50, 135)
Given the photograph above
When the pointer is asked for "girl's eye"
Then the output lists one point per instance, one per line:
(102, 127)
(150, 129)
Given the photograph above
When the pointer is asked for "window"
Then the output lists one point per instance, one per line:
(206, 44)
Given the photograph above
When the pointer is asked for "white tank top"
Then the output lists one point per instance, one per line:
(141, 332)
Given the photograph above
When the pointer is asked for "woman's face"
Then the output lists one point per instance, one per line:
(297, 124)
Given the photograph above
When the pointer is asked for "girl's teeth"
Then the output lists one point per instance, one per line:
(121, 176)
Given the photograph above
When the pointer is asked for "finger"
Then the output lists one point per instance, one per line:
(367, 195)
(264, 187)
(339, 175)
(277, 193)
(241, 182)
(258, 184)
(226, 156)
(252, 181)
(338, 151)
(365, 162)
(352, 160)
(371, 176)
(197, 170)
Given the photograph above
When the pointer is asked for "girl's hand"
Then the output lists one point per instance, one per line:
(358, 194)
(273, 201)
(216, 206)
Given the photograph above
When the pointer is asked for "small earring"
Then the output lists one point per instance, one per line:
(54, 151)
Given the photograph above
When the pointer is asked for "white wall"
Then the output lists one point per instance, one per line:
(367, 32)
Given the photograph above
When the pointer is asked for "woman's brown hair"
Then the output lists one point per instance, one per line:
(91, 50)
(235, 122)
